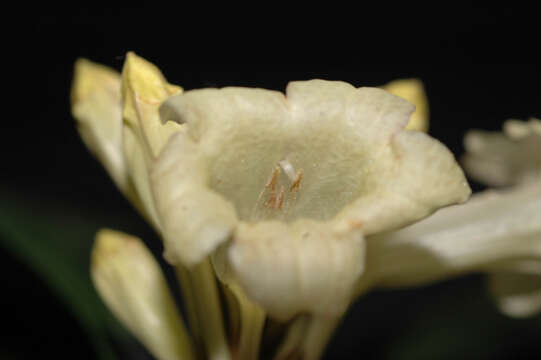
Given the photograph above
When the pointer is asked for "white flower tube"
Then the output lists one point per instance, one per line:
(491, 228)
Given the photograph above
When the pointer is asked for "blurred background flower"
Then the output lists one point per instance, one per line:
(478, 70)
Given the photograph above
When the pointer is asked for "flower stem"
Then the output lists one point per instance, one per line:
(307, 338)
(252, 319)
(233, 315)
(205, 313)
(318, 334)
(189, 300)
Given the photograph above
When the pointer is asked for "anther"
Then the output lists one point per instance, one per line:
(280, 198)
(274, 178)
(297, 181)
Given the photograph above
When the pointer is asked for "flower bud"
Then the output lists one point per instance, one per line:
(132, 285)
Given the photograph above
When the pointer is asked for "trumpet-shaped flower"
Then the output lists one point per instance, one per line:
(490, 230)
(505, 158)
(291, 183)
(286, 192)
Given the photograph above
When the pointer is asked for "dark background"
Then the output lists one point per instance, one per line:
(479, 68)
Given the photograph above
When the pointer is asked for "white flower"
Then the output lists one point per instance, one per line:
(292, 183)
(491, 229)
(496, 231)
(512, 158)
(281, 190)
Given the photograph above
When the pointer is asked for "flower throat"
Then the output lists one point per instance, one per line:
(280, 192)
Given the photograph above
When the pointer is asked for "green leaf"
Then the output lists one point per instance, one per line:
(55, 242)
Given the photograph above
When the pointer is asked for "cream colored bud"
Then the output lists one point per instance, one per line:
(132, 285)
(96, 105)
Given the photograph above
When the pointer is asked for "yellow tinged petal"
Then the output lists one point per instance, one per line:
(90, 77)
(138, 162)
(257, 167)
(144, 88)
(96, 105)
(131, 283)
(413, 91)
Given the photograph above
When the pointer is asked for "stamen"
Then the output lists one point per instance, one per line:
(271, 201)
(274, 178)
(281, 200)
(297, 181)
(271, 183)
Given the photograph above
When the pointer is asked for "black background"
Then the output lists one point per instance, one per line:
(478, 65)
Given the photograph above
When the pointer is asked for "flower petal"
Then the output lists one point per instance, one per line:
(97, 107)
(194, 219)
(344, 142)
(218, 114)
(413, 91)
(508, 158)
(132, 285)
(415, 176)
(297, 267)
(138, 163)
(143, 90)
(491, 228)
(372, 114)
